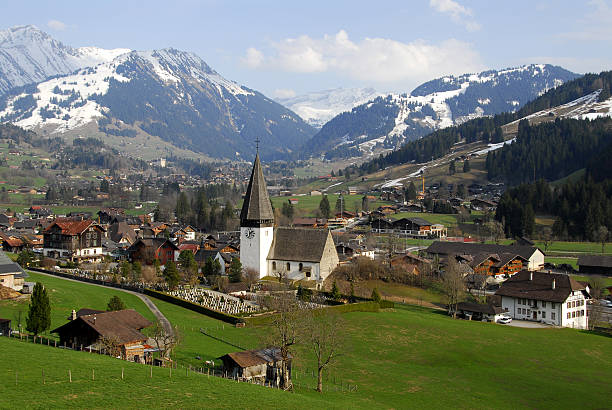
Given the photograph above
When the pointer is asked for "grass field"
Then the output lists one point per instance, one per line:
(404, 357)
(308, 205)
(66, 295)
(560, 260)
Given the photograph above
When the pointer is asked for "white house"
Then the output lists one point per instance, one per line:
(549, 298)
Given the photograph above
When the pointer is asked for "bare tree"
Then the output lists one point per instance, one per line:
(110, 345)
(453, 285)
(165, 340)
(281, 274)
(601, 236)
(286, 328)
(325, 336)
(250, 277)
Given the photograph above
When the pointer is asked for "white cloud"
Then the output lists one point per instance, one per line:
(253, 58)
(458, 13)
(283, 93)
(371, 60)
(56, 25)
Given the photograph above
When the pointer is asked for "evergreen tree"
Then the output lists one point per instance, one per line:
(451, 168)
(365, 203)
(136, 271)
(335, 292)
(183, 208)
(235, 271)
(187, 261)
(171, 275)
(39, 313)
(338, 207)
(411, 193)
(115, 303)
(375, 295)
(104, 186)
(324, 207)
(466, 166)
(208, 269)
(126, 269)
(216, 268)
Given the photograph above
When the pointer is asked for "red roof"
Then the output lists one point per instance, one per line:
(69, 227)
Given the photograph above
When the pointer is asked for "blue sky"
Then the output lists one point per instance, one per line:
(287, 47)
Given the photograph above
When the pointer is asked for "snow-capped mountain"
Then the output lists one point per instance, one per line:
(29, 55)
(389, 121)
(316, 108)
(169, 94)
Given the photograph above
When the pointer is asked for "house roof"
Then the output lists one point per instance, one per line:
(71, 227)
(154, 243)
(120, 230)
(448, 248)
(124, 325)
(256, 206)
(255, 357)
(479, 307)
(538, 286)
(600, 261)
(85, 312)
(7, 266)
(299, 244)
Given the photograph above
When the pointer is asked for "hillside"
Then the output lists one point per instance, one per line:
(155, 101)
(388, 122)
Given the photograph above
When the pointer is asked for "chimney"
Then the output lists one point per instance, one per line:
(553, 284)
(530, 275)
(73, 315)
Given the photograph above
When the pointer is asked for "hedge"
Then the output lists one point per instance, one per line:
(386, 304)
(193, 306)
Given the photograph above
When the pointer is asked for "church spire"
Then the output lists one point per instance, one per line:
(256, 209)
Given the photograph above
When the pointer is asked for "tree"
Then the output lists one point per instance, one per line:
(251, 277)
(183, 208)
(171, 275)
(601, 236)
(235, 271)
(26, 258)
(596, 288)
(188, 265)
(285, 331)
(165, 339)
(411, 193)
(39, 313)
(547, 237)
(115, 303)
(452, 285)
(325, 336)
(288, 210)
(104, 186)
(208, 269)
(375, 295)
(324, 207)
(451, 168)
(365, 203)
(126, 269)
(466, 166)
(136, 271)
(335, 292)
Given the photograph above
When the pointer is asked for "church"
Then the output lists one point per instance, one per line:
(297, 253)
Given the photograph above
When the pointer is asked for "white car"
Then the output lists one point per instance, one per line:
(504, 320)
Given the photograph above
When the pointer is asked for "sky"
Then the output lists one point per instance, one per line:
(287, 48)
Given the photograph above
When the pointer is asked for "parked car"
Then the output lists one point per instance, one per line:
(504, 320)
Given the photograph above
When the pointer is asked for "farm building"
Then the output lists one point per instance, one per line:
(255, 365)
(11, 274)
(595, 265)
(93, 329)
(480, 311)
(533, 255)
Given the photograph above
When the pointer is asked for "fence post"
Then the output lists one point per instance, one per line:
(151, 374)
(122, 373)
(93, 374)
(70, 375)
(170, 370)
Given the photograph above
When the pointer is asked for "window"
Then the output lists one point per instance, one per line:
(552, 305)
(288, 266)
(569, 305)
(569, 315)
(543, 315)
(273, 265)
(573, 314)
(300, 266)
(543, 304)
(553, 316)
(573, 303)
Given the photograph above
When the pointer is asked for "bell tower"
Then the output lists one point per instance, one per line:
(256, 223)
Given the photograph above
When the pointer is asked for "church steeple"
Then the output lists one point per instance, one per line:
(256, 209)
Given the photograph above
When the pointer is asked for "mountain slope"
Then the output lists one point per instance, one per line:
(28, 55)
(169, 94)
(317, 108)
(388, 122)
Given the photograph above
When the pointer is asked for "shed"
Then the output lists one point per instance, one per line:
(258, 365)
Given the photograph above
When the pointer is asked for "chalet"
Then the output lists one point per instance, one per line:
(310, 222)
(478, 204)
(12, 243)
(263, 365)
(11, 274)
(39, 211)
(412, 208)
(533, 255)
(302, 253)
(345, 251)
(180, 234)
(189, 246)
(76, 240)
(595, 265)
(418, 227)
(147, 250)
(122, 326)
(224, 259)
(382, 225)
(121, 232)
(491, 264)
(106, 215)
(550, 298)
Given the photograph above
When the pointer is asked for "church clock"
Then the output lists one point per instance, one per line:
(250, 233)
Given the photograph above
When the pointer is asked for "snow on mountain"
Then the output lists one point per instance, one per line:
(29, 55)
(316, 108)
(170, 94)
(440, 103)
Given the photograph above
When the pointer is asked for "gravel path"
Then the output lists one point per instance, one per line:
(158, 314)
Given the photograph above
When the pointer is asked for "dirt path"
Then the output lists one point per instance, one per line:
(158, 314)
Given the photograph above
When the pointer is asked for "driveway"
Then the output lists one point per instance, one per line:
(528, 324)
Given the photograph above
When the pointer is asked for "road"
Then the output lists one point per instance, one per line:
(158, 314)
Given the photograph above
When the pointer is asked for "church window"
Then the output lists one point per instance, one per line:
(273, 265)
(301, 266)
(288, 266)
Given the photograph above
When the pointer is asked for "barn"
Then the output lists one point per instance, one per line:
(255, 365)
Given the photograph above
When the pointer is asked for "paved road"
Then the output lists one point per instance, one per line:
(527, 324)
(158, 314)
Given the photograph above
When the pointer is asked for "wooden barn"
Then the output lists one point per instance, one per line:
(255, 365)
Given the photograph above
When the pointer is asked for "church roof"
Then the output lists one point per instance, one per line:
(256, 206)
(299, 244)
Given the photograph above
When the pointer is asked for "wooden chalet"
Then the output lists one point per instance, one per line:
(122, 326)
(73, 239)
(255, 365)
(147, 250)
(595, 265)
